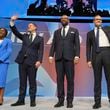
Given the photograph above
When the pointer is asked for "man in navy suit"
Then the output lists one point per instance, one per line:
(66, 47)
(29, 59)
(98, 56)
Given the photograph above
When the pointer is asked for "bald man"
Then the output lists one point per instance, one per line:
(66, 48)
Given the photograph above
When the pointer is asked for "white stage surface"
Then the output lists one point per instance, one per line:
(47, 103)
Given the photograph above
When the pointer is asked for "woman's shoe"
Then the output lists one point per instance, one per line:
(1, 102)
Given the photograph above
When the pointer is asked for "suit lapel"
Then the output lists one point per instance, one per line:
(29, 39)
(59, 33)
(35, 40)
(69, 31)
(106, 33)
(93, 35)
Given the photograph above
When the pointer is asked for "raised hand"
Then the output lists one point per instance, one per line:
(13, 18)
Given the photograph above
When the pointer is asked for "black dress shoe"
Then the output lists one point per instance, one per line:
(59, 104)
(69, 105)
(18, 103)
(33, 104)
(96, 106)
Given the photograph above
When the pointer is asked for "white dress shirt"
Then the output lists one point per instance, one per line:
(66, 30)
(33, 36)
(103, 40)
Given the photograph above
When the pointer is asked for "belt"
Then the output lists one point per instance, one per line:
(104, 48)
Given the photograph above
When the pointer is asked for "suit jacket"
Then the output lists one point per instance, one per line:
(91, 45)
(67, 47)
(5, 50)
(31, 51)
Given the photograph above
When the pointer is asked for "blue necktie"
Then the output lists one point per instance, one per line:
(97, 40)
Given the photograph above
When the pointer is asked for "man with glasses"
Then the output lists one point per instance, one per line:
(98, 56)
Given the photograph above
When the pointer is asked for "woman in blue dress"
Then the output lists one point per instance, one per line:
(5, 52)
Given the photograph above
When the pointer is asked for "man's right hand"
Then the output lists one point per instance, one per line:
(13, 18)
(50, 59)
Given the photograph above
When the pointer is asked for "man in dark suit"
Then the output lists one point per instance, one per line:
(98, 56)
(29, 59)
(66, 47)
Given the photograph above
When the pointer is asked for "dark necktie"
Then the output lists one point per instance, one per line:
(97, 40)
(63, 32)
(30, 37)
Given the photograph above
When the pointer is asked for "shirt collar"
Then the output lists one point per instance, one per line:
(34, 33)
(66, 27)
(99, 27)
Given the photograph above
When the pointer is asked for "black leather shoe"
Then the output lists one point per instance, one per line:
(18, 103)
(32, 104)
(96, 106)
(69, 105)
(59, 104)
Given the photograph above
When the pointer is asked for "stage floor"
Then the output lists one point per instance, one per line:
(47, 103)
